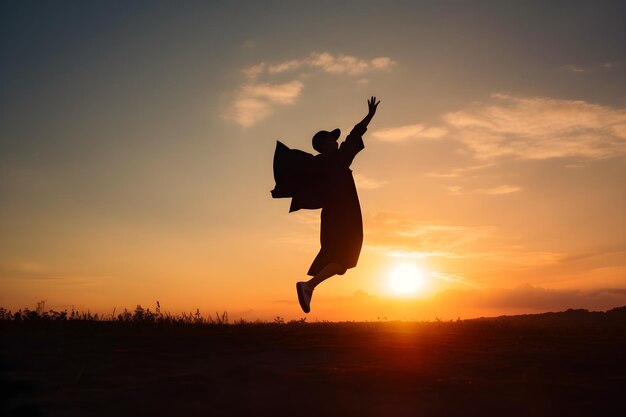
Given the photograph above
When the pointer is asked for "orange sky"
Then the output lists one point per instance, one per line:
(137, 144)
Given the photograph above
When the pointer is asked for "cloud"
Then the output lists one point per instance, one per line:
(487, 254)
(274, 93)
(255, 100)
(445, 235)
(499, 190)
(284, 66)
(458, 172)
(326, 62)
(383, 63)
(253, 72)
(343, 64)
(396, 232)
(308, 217)
(610, 65)
(525, 128)
(408, 254)
(399, 236)
(247, 111)
(540, 128)
(573, 68)
(408, 132)
(604, 66)
(366, 183)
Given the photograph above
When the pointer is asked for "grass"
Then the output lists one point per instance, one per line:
(142, 315)
(139, 315)
(145, 362)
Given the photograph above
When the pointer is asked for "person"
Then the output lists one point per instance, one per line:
(325, 181)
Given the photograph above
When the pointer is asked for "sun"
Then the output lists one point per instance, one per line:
(406, 279)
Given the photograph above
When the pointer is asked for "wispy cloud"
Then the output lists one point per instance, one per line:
(590, 68)
(458, 172)
(367, 183)
(573, 68)
(259, 94)
(254, 102)
(525, 128)
(399, 236)
(254, 71)
(501, 189)
(498, 190)
(447, 277)
(394, 231)
(540, 128)
(413, 254)
(408, 132)
(326, 62)
(275, 93)
(439, 231)
(610, 65)
(307, 217)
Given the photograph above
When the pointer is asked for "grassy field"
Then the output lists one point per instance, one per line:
(556, 364)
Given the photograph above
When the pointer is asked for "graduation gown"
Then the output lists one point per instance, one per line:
(325, 181)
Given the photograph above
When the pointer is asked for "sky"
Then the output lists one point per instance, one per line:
(136, 146)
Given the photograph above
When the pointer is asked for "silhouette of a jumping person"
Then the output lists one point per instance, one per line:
(325, 181)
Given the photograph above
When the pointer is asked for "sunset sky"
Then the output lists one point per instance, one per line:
(136, 145)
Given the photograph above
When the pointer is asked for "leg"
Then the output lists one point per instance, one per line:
(305, 289)
(326, 272)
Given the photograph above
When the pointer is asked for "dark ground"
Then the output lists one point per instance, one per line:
(565, 364)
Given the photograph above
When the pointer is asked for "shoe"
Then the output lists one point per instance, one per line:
(304, 296)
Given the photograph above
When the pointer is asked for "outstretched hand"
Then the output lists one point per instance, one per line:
(372, 105)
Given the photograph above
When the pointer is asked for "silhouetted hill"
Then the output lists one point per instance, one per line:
(617, 312)
(570, 317)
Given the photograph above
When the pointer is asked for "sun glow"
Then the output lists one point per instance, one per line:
(406, 279)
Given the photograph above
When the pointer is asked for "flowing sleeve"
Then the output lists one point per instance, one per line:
(353, 144)
(296, 178)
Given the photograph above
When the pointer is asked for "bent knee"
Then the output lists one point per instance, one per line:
(341, 269)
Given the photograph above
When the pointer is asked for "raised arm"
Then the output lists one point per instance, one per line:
(372, 105)
(354, 142)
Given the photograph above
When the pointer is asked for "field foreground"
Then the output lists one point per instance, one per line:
(561, 364)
